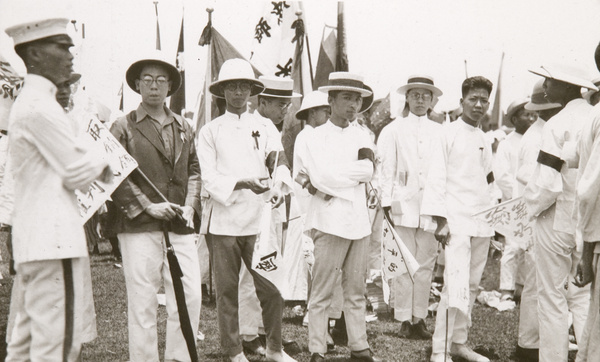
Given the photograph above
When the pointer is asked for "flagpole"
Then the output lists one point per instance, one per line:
(157, 26)
(208, 77)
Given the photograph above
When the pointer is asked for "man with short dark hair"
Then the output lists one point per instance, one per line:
(458, 186)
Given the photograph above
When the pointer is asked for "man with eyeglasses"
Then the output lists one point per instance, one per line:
(458, 186)
(238, 153)
(162, 143)
(404, 147)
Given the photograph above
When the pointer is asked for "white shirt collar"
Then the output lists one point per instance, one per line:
(41, 84)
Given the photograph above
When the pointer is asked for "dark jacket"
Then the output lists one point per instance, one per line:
(179, 182)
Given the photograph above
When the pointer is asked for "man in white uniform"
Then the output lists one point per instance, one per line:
(550, 198)
(405, 149)
(50, 252)
(458, 186)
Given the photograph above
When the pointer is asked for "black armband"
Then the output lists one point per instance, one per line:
(550, 160)
(366, 154)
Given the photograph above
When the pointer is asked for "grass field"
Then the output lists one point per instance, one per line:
(493, 332)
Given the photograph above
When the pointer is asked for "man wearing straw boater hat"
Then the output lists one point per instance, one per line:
(550, 198)
(404, 146)
(458, 186)
(337, 161)
(162, 143)
(273, 103)
(527, 153)
(505, 163)
(49, 249)
(237, 153)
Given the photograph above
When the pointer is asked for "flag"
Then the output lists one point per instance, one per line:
(10, 86)
(327, 57)
(396, 259)
(178, 98)
(157, 26)
(510, 218)
(497, 114)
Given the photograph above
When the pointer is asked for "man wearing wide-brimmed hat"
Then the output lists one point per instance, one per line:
(237, 154)
(550, 198)
(275, 100)
(592, 96)
(337, 161)
(48, 164)
(505, 163)
(404, 146)
(162, 143)
(458, 186)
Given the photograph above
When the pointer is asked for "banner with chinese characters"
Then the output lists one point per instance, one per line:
(510, 219)
(267, 258)
(10, 86)
(396, 258)
(100, 141)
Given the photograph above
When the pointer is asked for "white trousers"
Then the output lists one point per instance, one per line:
(529, 327)
(555, 262)
(52, 318)
(412, 300)
(511, 264)
(589, 343)
(145, 265)
(461, 252)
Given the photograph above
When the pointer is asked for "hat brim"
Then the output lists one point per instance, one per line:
(563, 77)
(513, 111)
(363, 91)
(294, 95)
(541, 107)
(135, 69)
(433, 89)
(367, 101)
(217, 91)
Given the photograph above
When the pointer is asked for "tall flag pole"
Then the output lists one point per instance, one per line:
(341, 64)
(157, 26)
(178, 98)
(497, 113)
(208, 78)
(466, 72)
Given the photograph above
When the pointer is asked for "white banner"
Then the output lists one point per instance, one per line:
(267, 259)
(99, 139)
(511, 219)
(396, 258)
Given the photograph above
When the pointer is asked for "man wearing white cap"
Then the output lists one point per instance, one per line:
(47, 165)
(550, 198)
(459, 184)
(162, 143)
(505, 164)
(528, 150)
(237, 153)
(404, 147)
(273, 103)
(337, 161)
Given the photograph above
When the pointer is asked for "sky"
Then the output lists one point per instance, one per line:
(387, 40)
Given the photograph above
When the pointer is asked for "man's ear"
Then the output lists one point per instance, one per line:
(137, 84)
(170, 85)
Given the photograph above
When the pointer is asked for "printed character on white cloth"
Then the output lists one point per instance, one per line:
(237, 154)
(505, 163)
(162, 143)
(49, 248)
(550, 198)
(405, 150)
(273, 103)
(528, 150)
(459, 184)
(335, 162)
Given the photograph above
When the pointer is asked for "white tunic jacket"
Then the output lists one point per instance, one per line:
(588, 188)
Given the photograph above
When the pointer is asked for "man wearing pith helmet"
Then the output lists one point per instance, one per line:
(48, 164)
(337, 161)
(237, 156)
(162, 143)
(404, 147)
(550, 198)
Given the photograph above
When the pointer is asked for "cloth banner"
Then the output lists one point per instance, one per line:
(267, 259)
(10, 86)
(511, 219)
(396, 258)
(98, 139)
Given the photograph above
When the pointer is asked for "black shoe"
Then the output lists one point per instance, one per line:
(290, 347)
(316, 357)
(254, 347)
(527, 354)
(366, 355)
(419, 330)
(405, 330)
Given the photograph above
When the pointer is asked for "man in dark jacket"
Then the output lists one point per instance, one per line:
(163, 145)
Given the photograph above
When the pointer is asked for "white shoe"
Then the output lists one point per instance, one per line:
(239, 358)
(440, 357)
(279, 356)
(462, 351)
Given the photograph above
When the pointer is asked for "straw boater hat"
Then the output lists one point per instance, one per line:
(538, 101)
(367, 101)
(420, 81)
(278, 87)
(587, 95)
(313, 99)
(514, 107)
(565, 74)
(158, 58)
(236, 69)
(39, 29)
(346, 81)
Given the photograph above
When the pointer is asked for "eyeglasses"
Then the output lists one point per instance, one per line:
(232, 86)
(416, 96)
(160, 80)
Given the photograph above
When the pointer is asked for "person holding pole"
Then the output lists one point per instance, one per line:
(163, 145)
